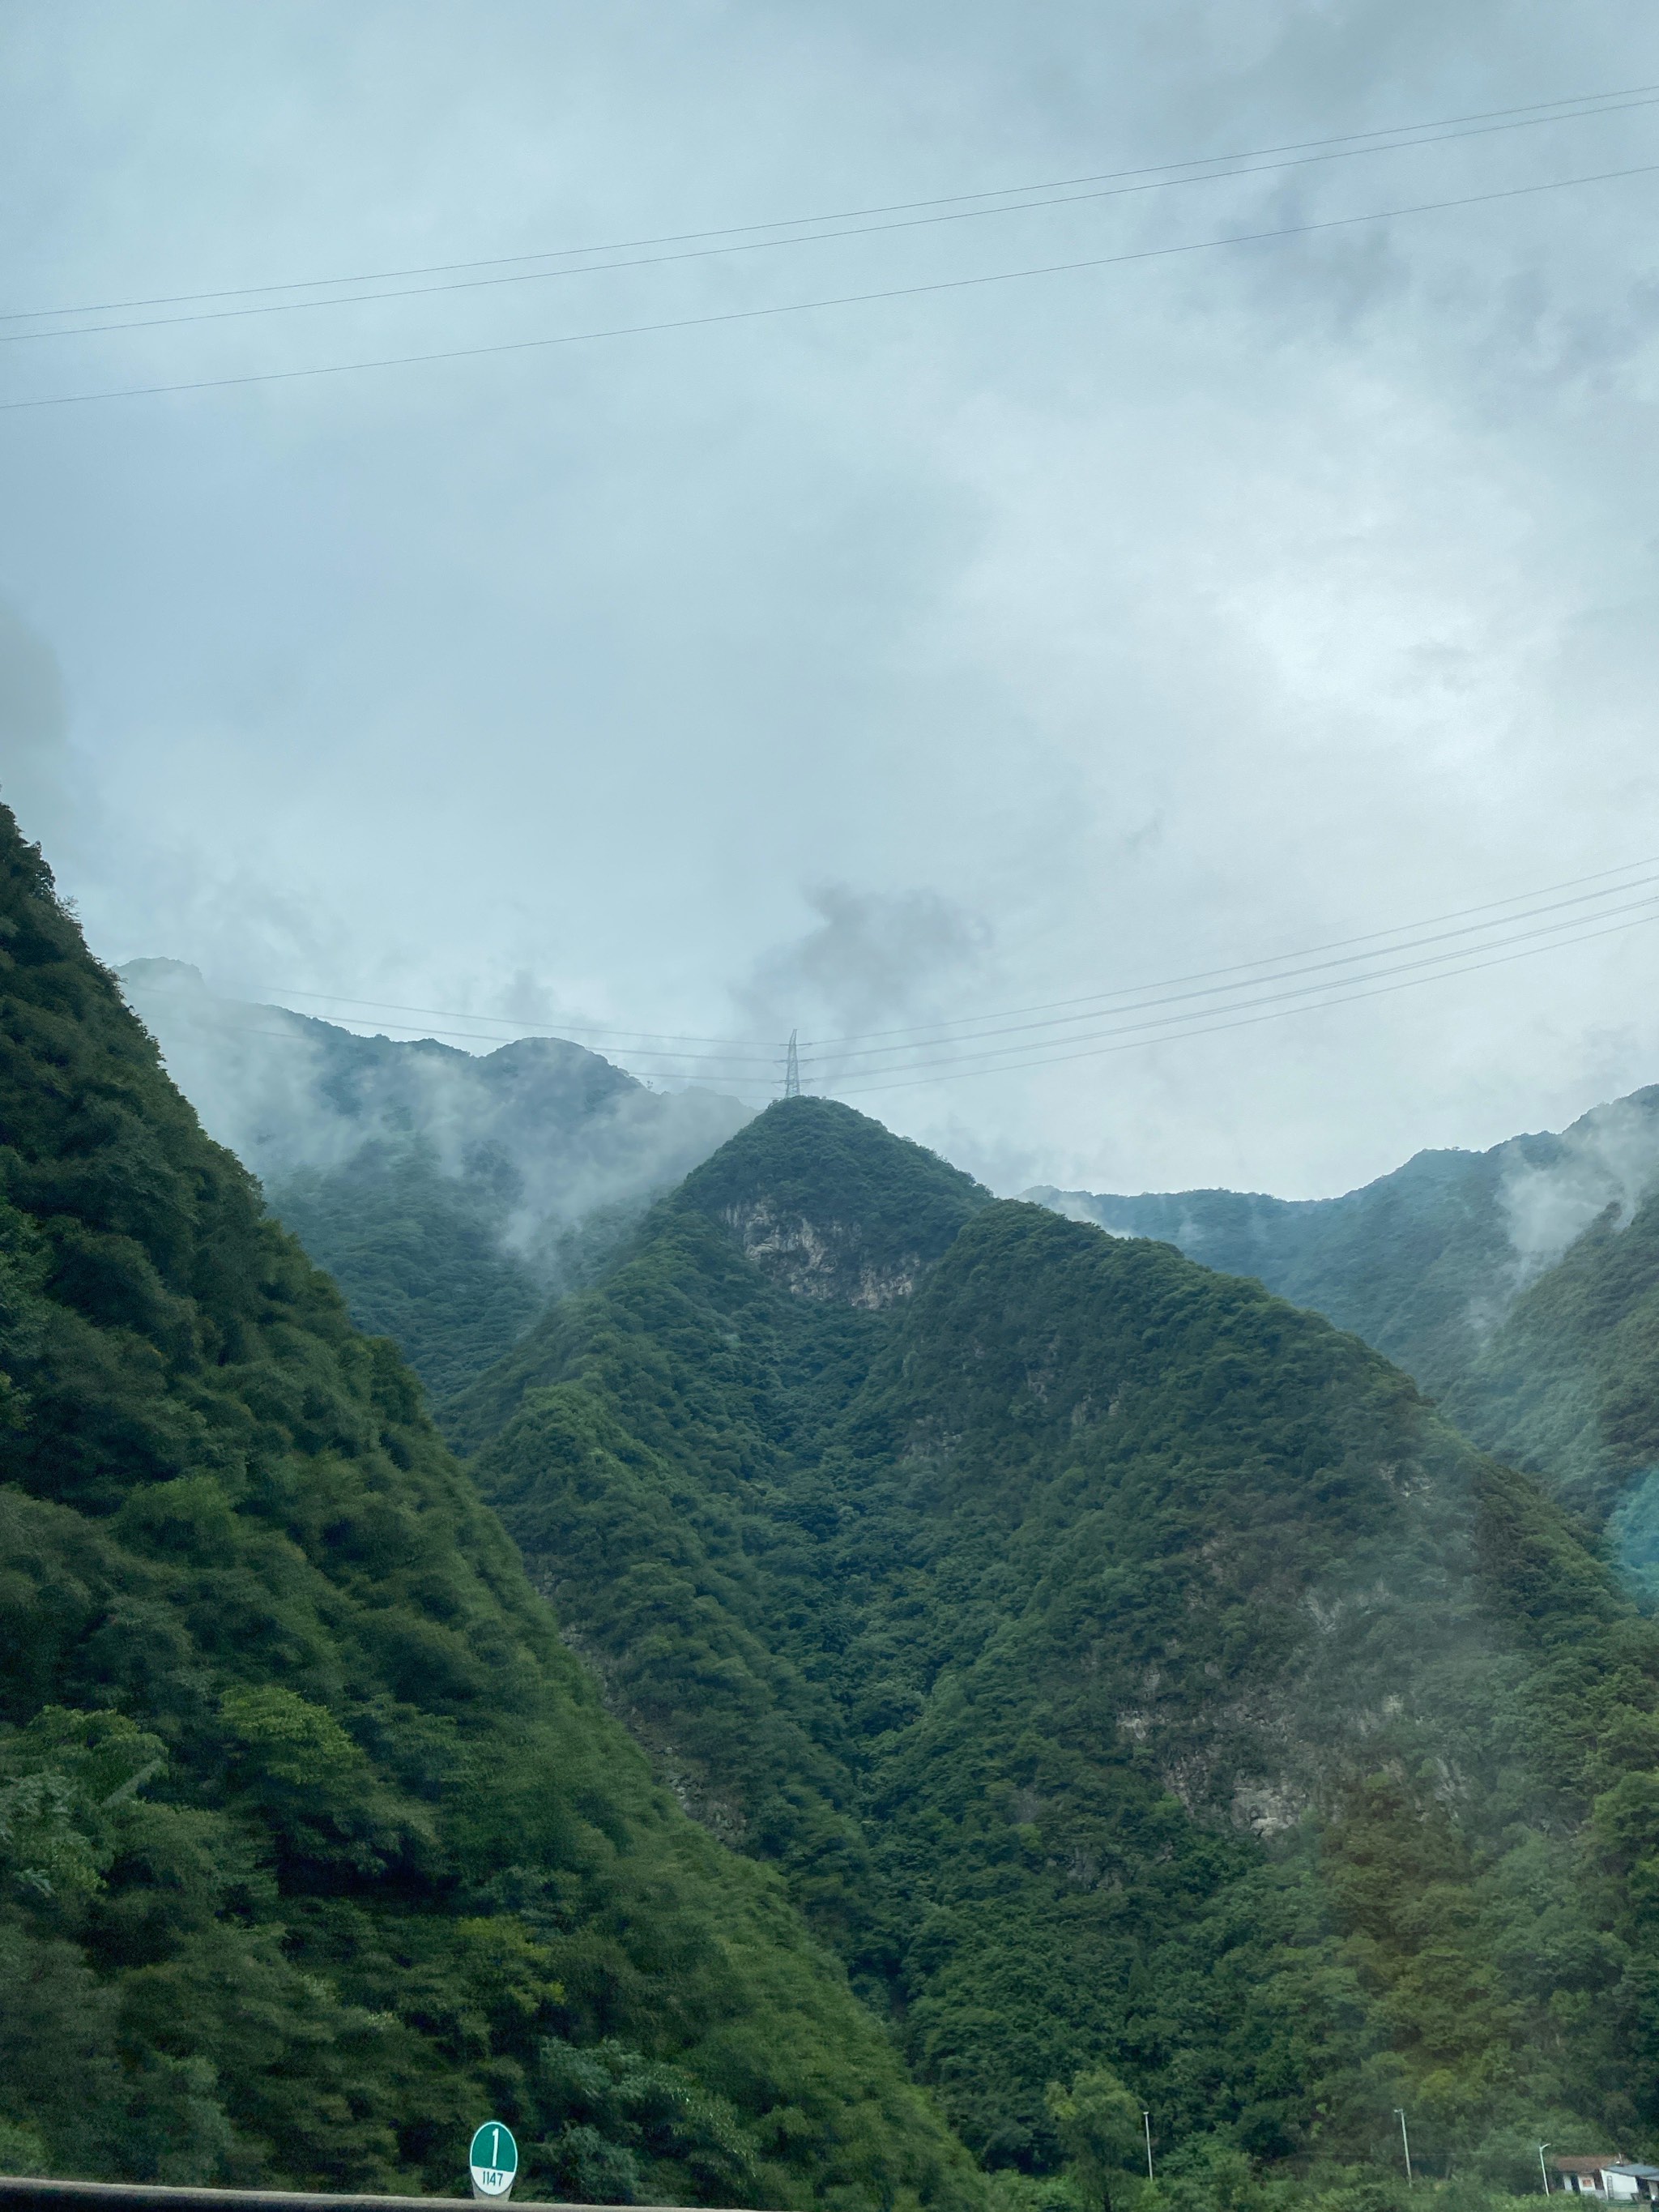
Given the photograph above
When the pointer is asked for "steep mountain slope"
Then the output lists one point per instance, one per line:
(1118, 1662)
(1568, 1381)
(1447, 1266)
(316, 1844)
(722, 1344)
(448, 1195)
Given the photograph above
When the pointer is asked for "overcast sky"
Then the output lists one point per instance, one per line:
(877, 664)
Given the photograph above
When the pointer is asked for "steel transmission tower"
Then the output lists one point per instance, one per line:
(791, 1071)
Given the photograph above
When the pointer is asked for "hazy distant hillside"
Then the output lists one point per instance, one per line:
(1119, 1664)
(448, 1194)
(1511, 1283)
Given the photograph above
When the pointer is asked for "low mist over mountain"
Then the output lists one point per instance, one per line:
(448, 1194)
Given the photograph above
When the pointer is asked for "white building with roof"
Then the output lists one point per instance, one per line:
(1615, 2180)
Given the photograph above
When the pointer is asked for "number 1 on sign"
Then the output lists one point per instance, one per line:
(492, 2159)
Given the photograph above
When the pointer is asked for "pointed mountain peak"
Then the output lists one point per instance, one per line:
(830, 1205)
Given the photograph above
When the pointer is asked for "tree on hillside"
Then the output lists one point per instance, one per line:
(1099, 2124)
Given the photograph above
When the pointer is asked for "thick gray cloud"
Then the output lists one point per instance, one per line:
(871, 962)
(34, 728)
(1081, 632)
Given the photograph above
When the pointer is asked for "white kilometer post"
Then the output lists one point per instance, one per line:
(492, 2160)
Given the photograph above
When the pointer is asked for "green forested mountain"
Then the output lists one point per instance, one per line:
(449, 1194)
(1092, 1679)
(1403, 1262)
(1512, 1284)
(419, 1255)
(316, 1844)
(1567, 1383)
(1121, 1666)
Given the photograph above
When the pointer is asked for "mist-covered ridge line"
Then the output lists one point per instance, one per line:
(450, 1195)
(1519, 1285)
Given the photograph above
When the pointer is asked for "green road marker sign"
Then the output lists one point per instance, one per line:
(493, 2159)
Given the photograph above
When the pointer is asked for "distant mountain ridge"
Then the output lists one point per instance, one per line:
(1423, 1261)
(1519, 1286)
(449, 1193)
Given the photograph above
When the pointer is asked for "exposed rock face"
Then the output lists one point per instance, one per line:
(832, 1207)
(824, 1260)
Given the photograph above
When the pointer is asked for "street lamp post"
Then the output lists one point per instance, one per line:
(1542, 2168)
(1400, 2112)
(1146, 2122)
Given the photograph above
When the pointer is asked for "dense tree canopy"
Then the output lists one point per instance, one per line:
(1454, 1266)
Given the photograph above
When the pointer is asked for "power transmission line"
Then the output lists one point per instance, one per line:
(1272, 959)
(839, 300)
(1564, 109)
(1244, 1021)
(727, 1065)
(295, 1037)
(1249, 1015)
(525, 1029)
(863, 229)
(1002, 1055)
(207, 1026)
(1098, 1011)
(1149, 997)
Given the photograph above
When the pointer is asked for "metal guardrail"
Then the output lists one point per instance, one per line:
(21, 2193)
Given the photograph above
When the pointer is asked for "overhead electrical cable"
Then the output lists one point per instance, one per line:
(716, 1069)
(1271, 959)
(1129, 1034)
(1565, 108)
(1098, 1011)
(527, 1029)
(294, 1037)
(731, 315)
(1244, 1021)
(1124, 1040)
(412, 1029)
(1010, 1057)
(863, 229)
(1098, 1004)
(763, 1056)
